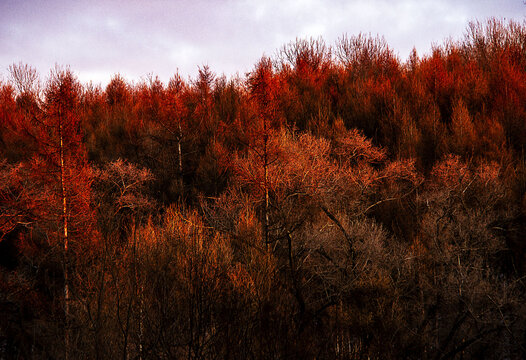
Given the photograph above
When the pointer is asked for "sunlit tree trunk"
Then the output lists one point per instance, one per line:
(65, 234)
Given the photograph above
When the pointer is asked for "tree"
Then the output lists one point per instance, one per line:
(321, 238)
(113, 297)
(263, 87)
(60, 179)
(462, 130)
(460, 298)
(305, 67)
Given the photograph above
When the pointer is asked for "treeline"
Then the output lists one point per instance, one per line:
(334, 203)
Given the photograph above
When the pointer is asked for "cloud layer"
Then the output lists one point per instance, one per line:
(134, 38)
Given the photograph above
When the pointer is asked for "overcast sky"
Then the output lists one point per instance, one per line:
(99, 38)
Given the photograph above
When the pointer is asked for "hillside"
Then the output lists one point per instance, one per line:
(334, 203)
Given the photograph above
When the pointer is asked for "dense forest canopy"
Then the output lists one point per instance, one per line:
(333, 203)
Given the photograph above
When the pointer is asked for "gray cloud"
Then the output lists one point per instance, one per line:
(100, 38)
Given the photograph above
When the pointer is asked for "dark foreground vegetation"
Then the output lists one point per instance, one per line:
(335, 203)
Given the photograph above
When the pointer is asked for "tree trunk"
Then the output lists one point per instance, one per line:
(65, 234)
(180, 158)
(265, 168)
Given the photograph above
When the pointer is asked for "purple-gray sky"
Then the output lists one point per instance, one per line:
(99, 38)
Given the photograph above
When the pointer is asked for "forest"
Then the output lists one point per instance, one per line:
(335, 202)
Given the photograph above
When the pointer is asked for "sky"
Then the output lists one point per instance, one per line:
(100, 38)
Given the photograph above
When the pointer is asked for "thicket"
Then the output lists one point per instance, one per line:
(334, 203)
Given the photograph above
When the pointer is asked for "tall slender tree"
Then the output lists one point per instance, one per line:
(61, 175)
